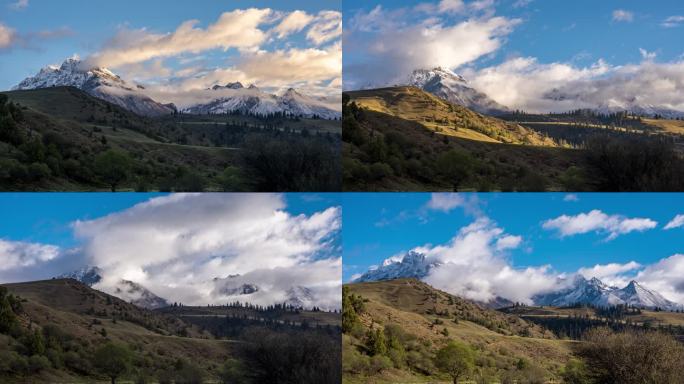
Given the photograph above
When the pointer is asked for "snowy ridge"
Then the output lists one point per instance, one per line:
(453, 88)
(98, 82)
(125, 289)
(234, 97)
(595, 292)
(413, 264)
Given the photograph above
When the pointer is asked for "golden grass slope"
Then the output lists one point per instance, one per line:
(500, 339)
(444, 118)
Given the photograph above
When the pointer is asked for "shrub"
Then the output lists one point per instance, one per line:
(37, 363)
(379, 363)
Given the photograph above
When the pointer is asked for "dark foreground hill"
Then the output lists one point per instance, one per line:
(403, 139)
(405, 331)
(62, 138)
(58, 331)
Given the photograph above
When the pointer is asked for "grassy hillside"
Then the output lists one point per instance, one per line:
(405, 331)
(424, 320)
(51, 139)
(53, 331)
(444, 118)
(404, 139)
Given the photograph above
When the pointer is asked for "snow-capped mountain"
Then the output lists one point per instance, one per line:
(300, 297)
(125, 289)
(98, 82)
(595, 292)
(87, 275)
(234, 97)
(453, 88)
(138, 295)
(413, 264)
(631, 105)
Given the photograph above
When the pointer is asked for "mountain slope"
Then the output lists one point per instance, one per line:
(98, 82)
(424, 319)
(235, 98)
(453, 88)
(126, 290)
(445, 118)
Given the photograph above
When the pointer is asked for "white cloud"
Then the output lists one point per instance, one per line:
(446, 201)
(524, 83)
(474, 265)
(646, 55)
(611, 274)
(673, 21)
(7, 36)
(521, 3)
(235, 29)
(398, 46)
(326, 26)
(19, 254)
(292, 23)
(176, 245)
(571, 197)
(285, 67)
(599, 222)
(19, 4)
(666, 277)
(451, 6)
(676, 222)
(622, 15)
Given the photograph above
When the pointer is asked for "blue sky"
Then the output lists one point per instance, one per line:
(378, 226)
(559, 44)
(47, 32)
(180, 246)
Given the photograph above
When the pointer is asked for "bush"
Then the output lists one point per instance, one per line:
(232, 371)
(632, 357)
(37, 363)
(38, 171)
(189, 374)
(379, 363)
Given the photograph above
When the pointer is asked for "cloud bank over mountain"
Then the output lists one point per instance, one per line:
(183, 247)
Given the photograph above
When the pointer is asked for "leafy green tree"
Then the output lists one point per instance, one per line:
(37, 363)
(232, 372)
(231, 179)
(455, 166)
(349, 316)
(34, 343)
(113, 167)
(7, 316)
(375, 342)
(113, 360)
(575, 372)
(456, 360)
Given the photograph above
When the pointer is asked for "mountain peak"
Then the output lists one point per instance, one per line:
(453, 88)
(98, 82)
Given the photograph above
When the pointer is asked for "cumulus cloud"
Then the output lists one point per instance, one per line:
(622, 15)
(673, 21)
(521, 3)
(524, 83)
(676, 222)
(177, 245)
(326, 26)
(287, 66)
(397, 46)
(235, 29)
(294, 22)
(646, 55)
(19, 254)
(598, 222)
(451, 6)
(666, 277)
(7, 36)
(612, 274)
(447, 201)
(571, 197)
(474, 264)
